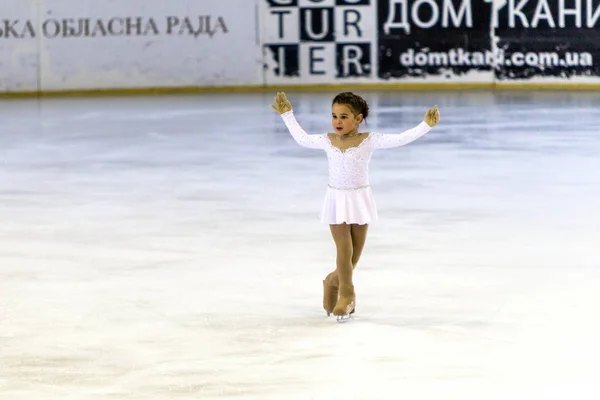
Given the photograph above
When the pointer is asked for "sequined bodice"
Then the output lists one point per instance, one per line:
(349, 169)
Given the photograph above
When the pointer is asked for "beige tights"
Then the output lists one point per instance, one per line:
(349, 242)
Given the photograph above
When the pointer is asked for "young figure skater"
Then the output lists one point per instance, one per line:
(349, 205)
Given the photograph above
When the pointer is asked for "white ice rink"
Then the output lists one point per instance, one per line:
(170, 248)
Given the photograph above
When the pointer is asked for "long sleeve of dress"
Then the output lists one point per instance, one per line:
(386, 140)
(300, 136)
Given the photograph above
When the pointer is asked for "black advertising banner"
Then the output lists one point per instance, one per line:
(547, 38)
(427, 38)
(479, 41)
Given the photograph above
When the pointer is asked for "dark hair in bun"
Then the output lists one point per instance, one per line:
(357, 104)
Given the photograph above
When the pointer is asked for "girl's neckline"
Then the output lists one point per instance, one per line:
(368, 135)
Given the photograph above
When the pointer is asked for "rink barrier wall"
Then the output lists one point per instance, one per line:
(77, 47)
(307, 88)
(85, 45)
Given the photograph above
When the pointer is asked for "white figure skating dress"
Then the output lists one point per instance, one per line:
(349, 198)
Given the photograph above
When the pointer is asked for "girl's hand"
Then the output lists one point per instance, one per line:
(432, 116)
(282, 105)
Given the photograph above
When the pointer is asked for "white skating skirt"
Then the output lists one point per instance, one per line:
(350, 206)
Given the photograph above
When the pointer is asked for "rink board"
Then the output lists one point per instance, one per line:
(65, 46)
(19, 57)
(90, 45)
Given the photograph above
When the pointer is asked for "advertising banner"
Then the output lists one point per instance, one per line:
(435, 40)
(55, 45)
(547, 40)
(318, 41)
(86, 44)
(430, 41)
(19, 48)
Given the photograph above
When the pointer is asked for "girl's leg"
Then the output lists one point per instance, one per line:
(331, 287)
(343, 243)
(342, 236)
(358, 234)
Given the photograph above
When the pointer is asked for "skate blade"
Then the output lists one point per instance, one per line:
(343, 318)
(347, 316)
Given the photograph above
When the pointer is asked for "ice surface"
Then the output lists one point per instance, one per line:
(170, 248)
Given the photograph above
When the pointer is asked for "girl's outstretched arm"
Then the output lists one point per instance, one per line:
(284, 108)
(386, 141)
(300, 136)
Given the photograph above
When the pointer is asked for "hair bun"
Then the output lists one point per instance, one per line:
(365, 110)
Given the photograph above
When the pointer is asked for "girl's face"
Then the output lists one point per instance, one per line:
(343, 120)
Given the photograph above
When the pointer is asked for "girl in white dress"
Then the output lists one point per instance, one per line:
(349, 205)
